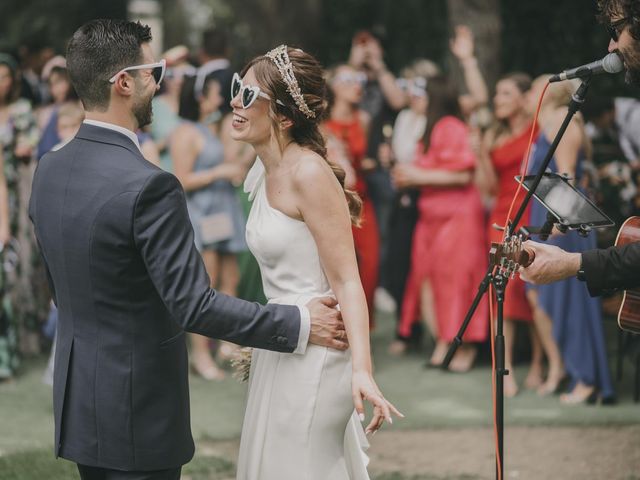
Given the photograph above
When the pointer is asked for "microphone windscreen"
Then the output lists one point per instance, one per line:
(612, 63)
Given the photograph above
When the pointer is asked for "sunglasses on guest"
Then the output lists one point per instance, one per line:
(157, 70)
(615, 28)
(248, 93)
(353, 78)
(181, 72)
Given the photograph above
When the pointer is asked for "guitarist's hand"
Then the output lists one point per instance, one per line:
(550, 264)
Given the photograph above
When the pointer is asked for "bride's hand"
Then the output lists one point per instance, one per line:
(364, 388)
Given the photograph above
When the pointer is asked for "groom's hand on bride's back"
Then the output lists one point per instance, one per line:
(327, 328)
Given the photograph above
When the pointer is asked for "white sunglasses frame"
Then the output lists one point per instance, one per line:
(162, 63)
(359, 78)
(253, 88)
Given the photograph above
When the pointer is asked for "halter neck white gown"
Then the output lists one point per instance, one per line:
(300, 422)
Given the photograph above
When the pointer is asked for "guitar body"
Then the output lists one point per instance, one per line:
(629, 314)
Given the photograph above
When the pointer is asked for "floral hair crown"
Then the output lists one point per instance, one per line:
(281, 59)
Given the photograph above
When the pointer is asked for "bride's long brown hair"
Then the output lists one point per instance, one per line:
(305, 131)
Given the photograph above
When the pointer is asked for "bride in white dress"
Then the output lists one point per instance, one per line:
(304, 412)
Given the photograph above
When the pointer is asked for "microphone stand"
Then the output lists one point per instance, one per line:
(499, 282)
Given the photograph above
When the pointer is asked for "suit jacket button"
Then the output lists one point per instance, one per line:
(282, 340)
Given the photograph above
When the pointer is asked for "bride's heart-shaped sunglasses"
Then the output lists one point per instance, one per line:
(248, 93)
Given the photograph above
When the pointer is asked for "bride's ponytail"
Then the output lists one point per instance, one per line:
(313, 140)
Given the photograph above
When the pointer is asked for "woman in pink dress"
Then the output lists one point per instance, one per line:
(449, 250)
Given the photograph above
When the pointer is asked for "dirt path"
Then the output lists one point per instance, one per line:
(532, 453)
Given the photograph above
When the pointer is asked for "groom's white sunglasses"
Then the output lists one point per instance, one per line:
(157, 70)
(248, 94)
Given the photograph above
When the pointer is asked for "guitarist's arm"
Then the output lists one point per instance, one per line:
(612, 268)
(604, 269)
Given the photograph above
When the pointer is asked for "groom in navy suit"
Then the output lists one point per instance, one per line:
(127, 279)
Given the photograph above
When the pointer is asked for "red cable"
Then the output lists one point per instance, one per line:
(523, 172)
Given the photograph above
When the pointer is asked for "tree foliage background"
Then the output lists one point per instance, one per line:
(535, 36)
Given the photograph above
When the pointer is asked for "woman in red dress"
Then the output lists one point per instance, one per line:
(346, 130)
(448, 259)
(503, 150)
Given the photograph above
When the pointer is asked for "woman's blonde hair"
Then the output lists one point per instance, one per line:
(522, 81)
(559, 95)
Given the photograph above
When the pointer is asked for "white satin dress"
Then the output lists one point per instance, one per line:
(300, 423)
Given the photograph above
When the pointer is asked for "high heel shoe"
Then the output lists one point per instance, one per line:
(553, 388)
(464, 358)
(212, 372)
(397, 348)
(597, 399)
(580, 395)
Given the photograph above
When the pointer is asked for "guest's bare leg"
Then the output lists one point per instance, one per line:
(535, 376)
(228, 284)
(544, 328)
(428, 313)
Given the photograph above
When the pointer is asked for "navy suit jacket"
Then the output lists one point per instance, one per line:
(115, 236)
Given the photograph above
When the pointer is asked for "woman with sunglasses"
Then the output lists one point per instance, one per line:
(197, 151)
(349, 125)
(167, 103)
(300, 420)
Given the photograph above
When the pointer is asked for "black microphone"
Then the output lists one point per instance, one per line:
(612, 63)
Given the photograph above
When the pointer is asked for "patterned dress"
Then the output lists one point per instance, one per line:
(23, 299)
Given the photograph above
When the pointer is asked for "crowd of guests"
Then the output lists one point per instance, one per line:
(434, 164)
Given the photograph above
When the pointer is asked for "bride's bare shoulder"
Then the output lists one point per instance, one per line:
(311, 170)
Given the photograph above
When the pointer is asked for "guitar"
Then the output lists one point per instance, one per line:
(507, 256)
(629, 313)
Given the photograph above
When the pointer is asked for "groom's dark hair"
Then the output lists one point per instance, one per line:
(98, 50)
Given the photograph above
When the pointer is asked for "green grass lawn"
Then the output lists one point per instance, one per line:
(428, 398)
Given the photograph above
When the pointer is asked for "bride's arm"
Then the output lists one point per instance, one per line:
(321, 202)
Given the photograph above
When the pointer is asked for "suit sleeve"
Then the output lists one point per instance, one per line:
(164, 238)
(31, 211)
(612, 268)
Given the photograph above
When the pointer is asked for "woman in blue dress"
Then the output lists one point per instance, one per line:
(208, 176)
(566, 306)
